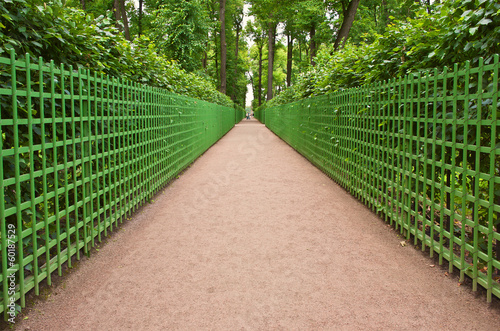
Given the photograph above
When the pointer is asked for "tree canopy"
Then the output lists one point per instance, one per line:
(441, 35)
(308, 47)
(72, 37)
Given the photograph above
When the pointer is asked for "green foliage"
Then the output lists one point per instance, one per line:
(180, 30)
(94, 7)
(70, 36)
(237, 64)
(279, 69)
(473, 27)
(188, 33)
(267, 11)
(454, 32)
(307, 14)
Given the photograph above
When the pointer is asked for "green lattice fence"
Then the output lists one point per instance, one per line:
(79, 153)
(421, 151)
(260, 114)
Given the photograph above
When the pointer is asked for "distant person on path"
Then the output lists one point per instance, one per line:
(248, 116)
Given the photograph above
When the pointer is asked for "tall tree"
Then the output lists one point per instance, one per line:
(141, 4)
(180, 31)
(291, 15)
(121, 15)
(385, 11)
(289, 57)
(223, 46)
(310, 15)
(237, 21)
(349, 12)
(268, 12)
(212, 44)
(271, 38)
(258, 35)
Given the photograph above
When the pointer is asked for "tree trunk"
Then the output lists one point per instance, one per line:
(125, 20)
(312, 36)
(223, 48)
(84, 7)
(289, 59)
(347, 22)
(204, 61)
(216, 49)
(385, 11)
(121, 15)
(118, 14)
(238, 28)
(300, 51)
(260, 76)
(141, 2)
(251, 84)
(270, 60)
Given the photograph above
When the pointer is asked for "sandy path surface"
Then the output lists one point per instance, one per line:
(253, 237)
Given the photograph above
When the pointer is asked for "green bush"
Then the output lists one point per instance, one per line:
(458, 31)
(72, 37)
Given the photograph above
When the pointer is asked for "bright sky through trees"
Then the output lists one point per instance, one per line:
(246, 18)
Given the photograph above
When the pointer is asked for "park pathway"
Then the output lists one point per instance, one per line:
(253, 237)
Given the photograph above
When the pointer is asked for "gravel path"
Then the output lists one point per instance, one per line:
(253, 237)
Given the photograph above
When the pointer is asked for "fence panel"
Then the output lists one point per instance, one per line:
(79, 153)
(422, 152)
